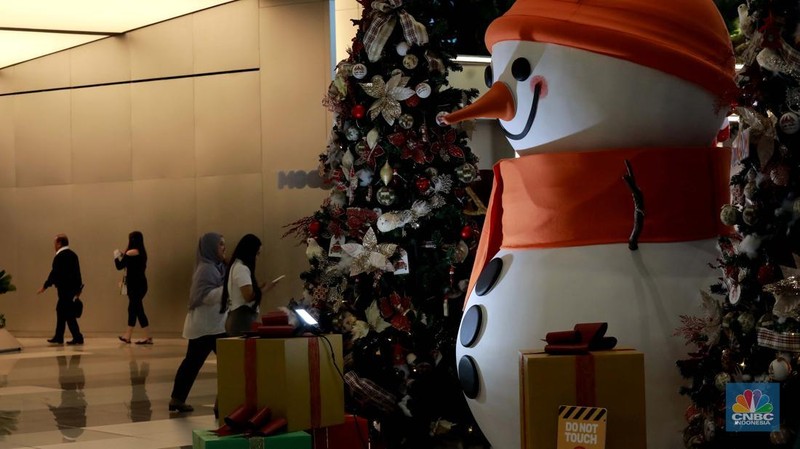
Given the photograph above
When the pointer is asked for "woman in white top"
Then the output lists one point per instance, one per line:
(204, 323)
(239, 297)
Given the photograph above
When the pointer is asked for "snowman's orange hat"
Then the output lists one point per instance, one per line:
(685, 38)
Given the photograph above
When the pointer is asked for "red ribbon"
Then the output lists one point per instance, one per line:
(585, 387)
(250, 375)
(314, 381)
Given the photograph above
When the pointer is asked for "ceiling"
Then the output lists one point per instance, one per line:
(33, 28)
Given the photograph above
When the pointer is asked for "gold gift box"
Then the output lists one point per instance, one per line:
(282, 373)
(613, 380)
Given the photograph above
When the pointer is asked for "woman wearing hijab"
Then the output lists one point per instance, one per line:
(241, 294)
(204, 324)
(134, 261)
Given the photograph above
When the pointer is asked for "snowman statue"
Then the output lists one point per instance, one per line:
(610, 212)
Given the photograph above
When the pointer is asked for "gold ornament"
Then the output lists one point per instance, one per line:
(388, 96)
(371, 255)
(386, 173)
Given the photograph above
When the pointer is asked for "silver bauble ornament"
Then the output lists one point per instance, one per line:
(789, 123)
(410, 61)
(728, 215)
(402, 48)
(750, 190)
(406, 121)
(352, 134)
(359, 71)
(466, 173)
(780, 369)
(423, 90)
(721, 381)
(386, 196)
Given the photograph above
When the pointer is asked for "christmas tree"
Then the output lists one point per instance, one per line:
(751, 331)
(390, 249)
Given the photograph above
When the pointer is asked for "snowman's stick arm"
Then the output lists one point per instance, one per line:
(638, 204)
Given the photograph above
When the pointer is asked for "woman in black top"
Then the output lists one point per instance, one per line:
(134, 261)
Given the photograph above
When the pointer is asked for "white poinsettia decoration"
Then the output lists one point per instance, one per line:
(388, 96)
(371, 255)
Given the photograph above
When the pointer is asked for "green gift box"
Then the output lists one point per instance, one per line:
(207, 439)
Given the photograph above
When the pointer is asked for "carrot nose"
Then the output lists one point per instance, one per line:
(496, 103)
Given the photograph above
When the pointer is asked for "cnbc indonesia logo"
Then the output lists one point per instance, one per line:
(751, 409)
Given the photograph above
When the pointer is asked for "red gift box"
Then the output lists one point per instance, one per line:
(278, 318)
(354, 433)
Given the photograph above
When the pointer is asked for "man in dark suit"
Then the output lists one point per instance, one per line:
(66, 276)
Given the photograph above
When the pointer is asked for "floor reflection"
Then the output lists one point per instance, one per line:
(70, 415)
(139, 408)
(101, 395)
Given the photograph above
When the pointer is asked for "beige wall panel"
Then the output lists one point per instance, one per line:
(345, 30)
(7, 178)
(104, 61)
(227, 124)
(271, 3)
(293, 120)
(8, 235)
(42, 139)
(226, 37)
(293, 136)
(39, 214)
(165, 212)
(101, 134)
(43, 73)
(230, 205)
(8, 255)
(164, 49)
(103, 218)
(162, 129)
(288, 206)
(7, 80)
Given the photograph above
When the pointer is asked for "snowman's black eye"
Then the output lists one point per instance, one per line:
(521, 69)
(488, 76)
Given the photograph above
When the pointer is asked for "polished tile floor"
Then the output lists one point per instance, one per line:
(104, 394)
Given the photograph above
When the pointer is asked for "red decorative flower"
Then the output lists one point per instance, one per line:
(394, 309)
(414, 149)
(446, 145)
(370, 155)
(359, 218)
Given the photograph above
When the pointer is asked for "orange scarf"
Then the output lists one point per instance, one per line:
(554, 200)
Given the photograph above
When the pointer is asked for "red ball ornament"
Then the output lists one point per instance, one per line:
(766, 274)
(314, 228)
(358, 111)
(412, 101)
(466, 232)
(423, 184)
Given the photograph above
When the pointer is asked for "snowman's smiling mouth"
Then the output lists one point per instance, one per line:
(537, 90)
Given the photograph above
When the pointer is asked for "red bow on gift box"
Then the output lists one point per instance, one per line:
(583, 338)
(248, 420)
